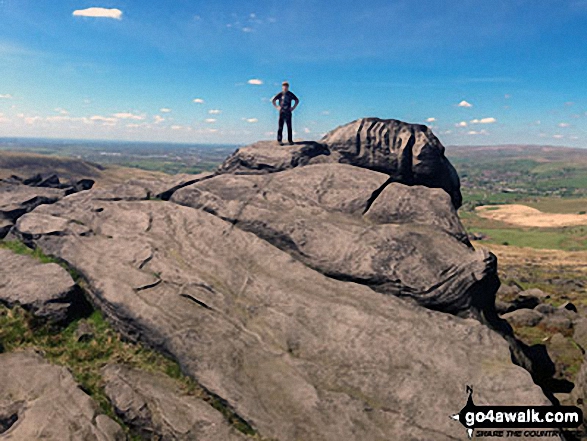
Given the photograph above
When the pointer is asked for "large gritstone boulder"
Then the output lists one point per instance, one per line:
(296, 354)
(350, 224)
(40, 401)
(408, 153)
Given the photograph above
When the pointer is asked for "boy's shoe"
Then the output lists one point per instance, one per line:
(291, 143)
(280, 143)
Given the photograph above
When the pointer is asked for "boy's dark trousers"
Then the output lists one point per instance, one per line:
(285, 117)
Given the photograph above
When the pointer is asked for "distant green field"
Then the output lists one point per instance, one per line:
(550, 179)
(496, 232)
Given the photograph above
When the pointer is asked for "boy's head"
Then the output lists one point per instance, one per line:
(285, 86)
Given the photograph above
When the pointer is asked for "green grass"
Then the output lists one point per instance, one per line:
(19, 330)
(558, 205)
(18, 247)
(555, 239)
(501, 233)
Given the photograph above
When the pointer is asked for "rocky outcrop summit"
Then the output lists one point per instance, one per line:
(42, 401)
(409, 153)
(320, 292)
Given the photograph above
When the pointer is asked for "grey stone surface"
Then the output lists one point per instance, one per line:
(523, 317)
(557, 322)
(410, 242)
(45, 289)
(269, 157)
(18, 199)
(580, 333)
(40, 401)
(579, 392)
(545, 308)
(155, 408)
(296, 354)
(407, 153)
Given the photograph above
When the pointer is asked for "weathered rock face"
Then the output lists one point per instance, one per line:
(344, 222)
(42, 401)
(16, 199)
(295, 353)
(270, 157)
(19, 196)
(153, 407)
(408, 153)
(47, 290)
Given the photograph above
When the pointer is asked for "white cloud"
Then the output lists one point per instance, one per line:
(158, 119)
(479, 132)
(507, 96)
(210, 120)
(126, 115)
(247, 29)
(61, 111)
(461, 124)
(431, 120)
(62, 118)
(307, 130)
(483, 121)
(251, 120)
(116, 14)
(6, 97)
(214, 112)
(564, 125)
(558, 136)
(32, 119)
(198, 101)
(326, 112)
(176, 127)
(255, 81)
(465, 104)
(103, 119)
(165, 110)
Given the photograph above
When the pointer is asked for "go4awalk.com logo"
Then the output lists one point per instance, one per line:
(516, 421)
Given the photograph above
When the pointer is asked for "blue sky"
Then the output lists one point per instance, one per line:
(478, 72)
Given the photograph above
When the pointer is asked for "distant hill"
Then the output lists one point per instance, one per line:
(29, 164)
(530, 170)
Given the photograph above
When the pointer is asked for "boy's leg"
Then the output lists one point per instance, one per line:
(289, 128)
(280, 129)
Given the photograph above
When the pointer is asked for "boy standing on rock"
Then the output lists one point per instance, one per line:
(282, 101)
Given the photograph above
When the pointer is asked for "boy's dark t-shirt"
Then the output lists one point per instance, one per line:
(285, 99)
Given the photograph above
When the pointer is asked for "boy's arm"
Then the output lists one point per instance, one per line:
(274, 101)
(297, 101)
